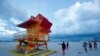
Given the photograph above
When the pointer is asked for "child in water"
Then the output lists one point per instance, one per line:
(90, 45)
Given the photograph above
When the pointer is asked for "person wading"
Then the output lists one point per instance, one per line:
(67, 45)
(95, 45)
(90, 45)
(85, 46)
(63, 48)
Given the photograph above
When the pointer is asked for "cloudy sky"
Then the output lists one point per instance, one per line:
(69, 17)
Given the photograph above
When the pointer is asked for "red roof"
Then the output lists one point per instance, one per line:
(27, 23)
(45, 24)
(41, 17)
(45, 30)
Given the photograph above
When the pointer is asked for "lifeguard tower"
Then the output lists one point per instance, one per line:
(37, 31)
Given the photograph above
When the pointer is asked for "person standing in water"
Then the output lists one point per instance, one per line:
(90, 45)
(85, 46)
(95, 45)
(67, 45)
(63, 48)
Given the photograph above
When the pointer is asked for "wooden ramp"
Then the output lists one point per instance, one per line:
(39, 52)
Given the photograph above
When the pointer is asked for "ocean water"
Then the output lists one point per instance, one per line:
(74, 49)
(5, 48)
(73, 39)
(7, 44)
(60, 38)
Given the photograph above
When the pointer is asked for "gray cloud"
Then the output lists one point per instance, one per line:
(80, 18)
(7, 12)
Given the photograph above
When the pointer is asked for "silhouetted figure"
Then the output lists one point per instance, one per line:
(85, 46)
(90, 45)
(46, 45)
(95, 45)
(63, 48)
(67, 45)
(37, 46)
